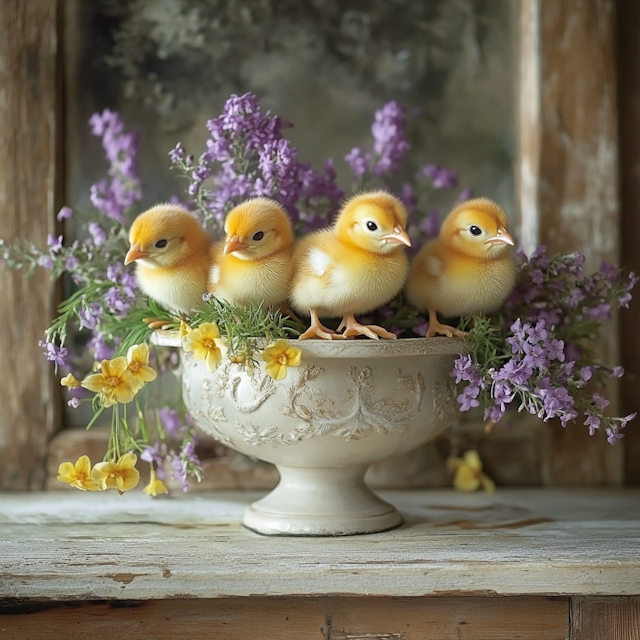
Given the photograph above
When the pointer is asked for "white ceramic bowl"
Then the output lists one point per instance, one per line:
(348, 404)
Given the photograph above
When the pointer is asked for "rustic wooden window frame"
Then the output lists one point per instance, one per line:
(570, 191)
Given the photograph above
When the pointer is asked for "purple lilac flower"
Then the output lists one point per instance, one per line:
(617, 372)
(537, 333)
(441, 177)
(54, 353)
(54, 243)
(601, 312)
(45, 261)
(431, 224)
(389, 142)
(177, 153)
(74, 403)
(600, 401)
(586, 374)
(90, 315)
(115, 195)
(421, 327)
(467, 398)
(555, 350)
(116, 302)
(65, 212)
(102, 350)
(465, 194)
(180, 472)
(358, 162)
(613, 432)
(97, 233)
(71, 263)
(170, 421)
(408, 197)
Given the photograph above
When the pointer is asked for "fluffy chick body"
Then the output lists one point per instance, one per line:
(247, 270)
(171, 251)
(354, 267)
(461, 273)
(338, 278)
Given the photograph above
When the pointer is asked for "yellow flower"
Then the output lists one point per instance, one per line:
(70, 381)
(206, 344)
(155, 487)
(121, 475)
(78, 475)
(138, 364)
(114, 384)
(468, 473)
(279, 356)
(184, 329)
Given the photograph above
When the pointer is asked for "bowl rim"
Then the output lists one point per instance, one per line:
(365, 348)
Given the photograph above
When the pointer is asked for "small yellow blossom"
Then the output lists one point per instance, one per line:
(70, 381)
(468, 473)
(206, 344)
(279, 356)
(121, 475)
(184, 329)
(114, 384)
(77, 475)
(138, 364)
(155, 486)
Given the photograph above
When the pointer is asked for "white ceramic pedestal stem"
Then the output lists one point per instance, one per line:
(319, 502)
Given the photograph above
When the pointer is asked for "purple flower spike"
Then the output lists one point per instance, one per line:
(54, 353)
(65, 212)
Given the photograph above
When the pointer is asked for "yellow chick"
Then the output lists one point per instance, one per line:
(353, 267)
(253, 264)
(172, 252)
(467, 269)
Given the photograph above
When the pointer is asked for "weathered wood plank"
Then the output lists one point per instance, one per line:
(628, 32)
(568, 185)
(298, 619)
(29, 180)
(600, 618)
(517, 542)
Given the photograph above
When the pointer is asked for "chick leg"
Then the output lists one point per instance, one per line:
(286, 311)
(318, 330)
(353, 328)
(436, 328)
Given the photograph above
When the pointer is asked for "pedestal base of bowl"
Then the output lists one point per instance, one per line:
(321, 502)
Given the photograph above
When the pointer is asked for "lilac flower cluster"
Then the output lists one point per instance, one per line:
(389, 144)
(115, 195)
(248, 156)
(533, 351)
(182, 460)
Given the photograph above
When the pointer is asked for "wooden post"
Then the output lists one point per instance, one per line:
(629, 126)
(30, 137)
(568, 180)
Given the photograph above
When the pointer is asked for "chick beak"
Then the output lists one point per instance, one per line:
(399, 236)
(234, 244)
(135, 253)
(503, 237)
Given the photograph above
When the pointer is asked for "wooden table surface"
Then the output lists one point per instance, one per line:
(549, 551)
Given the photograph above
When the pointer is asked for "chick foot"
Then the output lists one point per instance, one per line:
(437, 328)
(318, 330)
(353, 328)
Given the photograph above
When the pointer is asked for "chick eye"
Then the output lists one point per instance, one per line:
(258, 236)
(475, 231)
(161, 244)
(372, 226)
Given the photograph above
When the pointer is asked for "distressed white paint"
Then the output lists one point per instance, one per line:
(528, 165)
(515, 542)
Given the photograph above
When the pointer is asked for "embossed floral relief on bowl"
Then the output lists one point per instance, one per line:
(347, 405)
